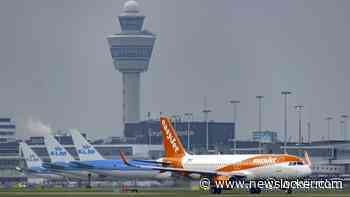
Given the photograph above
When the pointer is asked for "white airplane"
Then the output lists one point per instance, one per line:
(93, 161)
(60, 161)
(34, 165)
(225, 167)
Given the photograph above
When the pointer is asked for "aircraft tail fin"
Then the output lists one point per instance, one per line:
(84, 149)
(30, 157)
(171, 142)
(307, 158)
(56, 151)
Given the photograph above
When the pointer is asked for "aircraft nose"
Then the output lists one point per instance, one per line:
(307, 171)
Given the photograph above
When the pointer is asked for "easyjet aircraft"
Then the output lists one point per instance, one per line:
(226, 167)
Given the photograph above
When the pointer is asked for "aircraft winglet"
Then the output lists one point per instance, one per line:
(307, 158)
(124, 158)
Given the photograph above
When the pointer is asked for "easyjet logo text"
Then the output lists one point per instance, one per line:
(264, 161)
(170, 137)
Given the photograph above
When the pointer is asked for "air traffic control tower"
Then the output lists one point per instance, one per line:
(131, 51)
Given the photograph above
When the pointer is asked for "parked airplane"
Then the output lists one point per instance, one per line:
(93, 161)
(225, 167)
(60, 161)
(34, 165)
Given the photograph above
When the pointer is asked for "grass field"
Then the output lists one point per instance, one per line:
(180, 193)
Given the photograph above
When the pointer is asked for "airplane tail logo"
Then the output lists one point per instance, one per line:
(84, 149)
(172, 144)
(57, 152)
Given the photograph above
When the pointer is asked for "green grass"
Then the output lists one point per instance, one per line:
(163, 192)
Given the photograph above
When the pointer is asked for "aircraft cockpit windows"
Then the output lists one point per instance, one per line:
(294, 163)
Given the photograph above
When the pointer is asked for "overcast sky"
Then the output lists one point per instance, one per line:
(55, 64)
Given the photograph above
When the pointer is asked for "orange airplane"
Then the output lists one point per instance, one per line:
(221, 167)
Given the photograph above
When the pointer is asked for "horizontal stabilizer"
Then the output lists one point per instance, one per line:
(19, 169)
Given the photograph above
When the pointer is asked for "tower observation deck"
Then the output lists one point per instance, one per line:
(131, 50)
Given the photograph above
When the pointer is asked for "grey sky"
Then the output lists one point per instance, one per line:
(55, 64)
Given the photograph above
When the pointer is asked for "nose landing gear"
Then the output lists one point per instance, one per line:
(255, 190)
(215, 190)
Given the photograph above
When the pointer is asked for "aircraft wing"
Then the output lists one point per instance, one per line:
(152, 162)
(81, 165)
(25, 170)
(54, 166)
(181, 170)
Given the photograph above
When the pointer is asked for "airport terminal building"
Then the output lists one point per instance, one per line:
(191, 134)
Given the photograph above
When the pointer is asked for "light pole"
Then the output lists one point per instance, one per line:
(175, 119)
(329, 128)
(309, 132)
(329, 134)
(148, 116)
(189, 117)
(149, 136)
(345, 117)
(285, 94)
(206, 113)
(299, 109)
(234, 103)
(341, 128)
(259, 98)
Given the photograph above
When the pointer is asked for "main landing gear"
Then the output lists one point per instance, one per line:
(255, 190)
(215, 190)
(89, 181)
